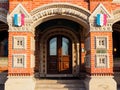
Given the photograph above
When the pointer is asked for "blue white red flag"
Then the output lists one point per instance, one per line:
(101, 19)
(18, 19)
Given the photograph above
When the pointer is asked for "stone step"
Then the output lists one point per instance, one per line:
(60, 89)
(45, 84)
(60, 85)
(58, 81)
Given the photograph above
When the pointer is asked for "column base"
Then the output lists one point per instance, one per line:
(20, 83)
(100, 83)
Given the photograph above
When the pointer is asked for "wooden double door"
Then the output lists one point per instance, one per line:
(59, 56)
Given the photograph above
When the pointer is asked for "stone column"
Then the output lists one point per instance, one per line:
(99, 58)
(21, 53)
(101, 62)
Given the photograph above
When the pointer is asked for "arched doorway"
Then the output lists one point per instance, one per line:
(116, 46)
(58, 47)
(3, 46)
(59, 55)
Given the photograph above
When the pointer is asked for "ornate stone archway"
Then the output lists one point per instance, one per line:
(3, 15)
(63, 11)
(60, 10)
(116, 15)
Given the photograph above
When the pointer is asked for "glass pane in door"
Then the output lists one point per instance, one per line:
(65, 46)
(53, 46)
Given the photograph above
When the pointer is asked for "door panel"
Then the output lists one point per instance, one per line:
(52, 66)
(59, 56)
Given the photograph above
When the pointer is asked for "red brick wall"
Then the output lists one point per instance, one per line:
(20, 71)
(32, 4)
(93, 52)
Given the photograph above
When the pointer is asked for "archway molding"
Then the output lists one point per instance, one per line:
(60, 10)
(3, 15)
(43, 49)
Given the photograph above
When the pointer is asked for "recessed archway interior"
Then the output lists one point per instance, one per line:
(57, 28)
(3, 39)
(116, 45)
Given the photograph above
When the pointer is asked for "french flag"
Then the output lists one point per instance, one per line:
(19, 19)
(101, 19)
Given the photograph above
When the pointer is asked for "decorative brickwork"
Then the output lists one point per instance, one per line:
(91, 47)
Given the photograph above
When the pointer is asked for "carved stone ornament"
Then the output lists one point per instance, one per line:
(92, 19)
(28, 19)
(116, 14)
(63, 9)
(3, 15)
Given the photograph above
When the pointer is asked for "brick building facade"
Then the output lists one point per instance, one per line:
(61, 38)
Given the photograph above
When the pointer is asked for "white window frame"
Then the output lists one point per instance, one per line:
(99, 40)
(101, 61)
(15, 62)
(19, 38)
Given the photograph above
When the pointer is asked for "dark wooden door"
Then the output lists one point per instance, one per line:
(59, 55)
